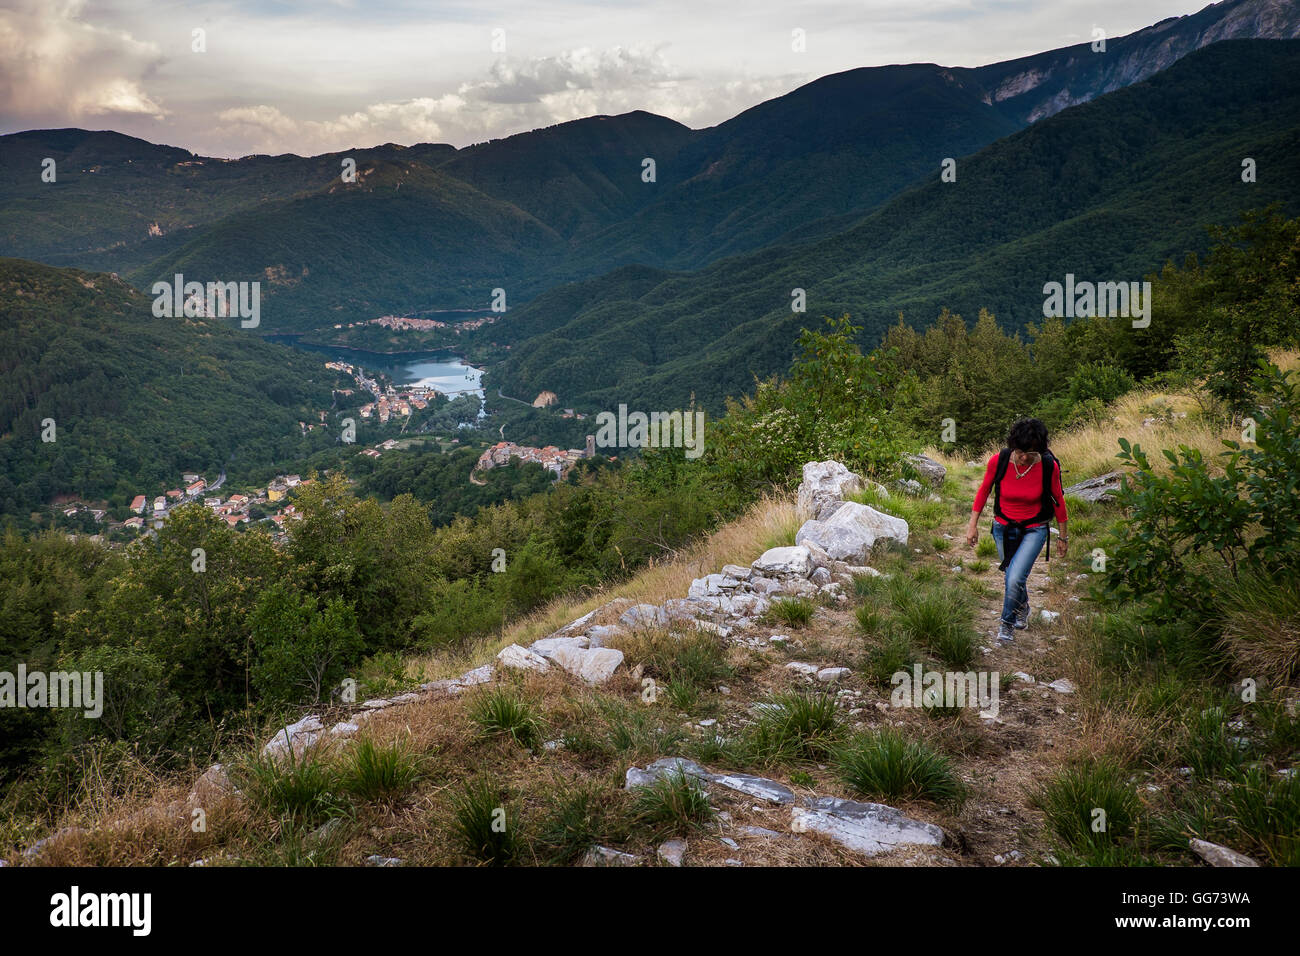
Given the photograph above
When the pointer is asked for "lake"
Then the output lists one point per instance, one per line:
(442, 369)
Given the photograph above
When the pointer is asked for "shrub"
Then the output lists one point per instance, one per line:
(887, 765)
(1188, 528)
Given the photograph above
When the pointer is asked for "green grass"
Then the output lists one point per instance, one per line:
(893, 654)
(379, 772)
(577, 818)
(1072, 798)
(790, 612)
(672, 804)
(870, 619)
(1211, 747)
(978, 566)
(481, 826)
(696, 659)
(503, 713)
(919, 513)
(986, 547)
(870, 586)
(796, 726)
(938, 619)
(300, 790)
(884, 764)
(682, 695)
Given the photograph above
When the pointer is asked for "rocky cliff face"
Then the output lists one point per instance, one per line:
(1034, 87)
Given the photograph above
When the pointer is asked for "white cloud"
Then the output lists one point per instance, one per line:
(287, 77)
(59, 69)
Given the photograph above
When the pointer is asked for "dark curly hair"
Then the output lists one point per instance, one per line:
(1027, 434)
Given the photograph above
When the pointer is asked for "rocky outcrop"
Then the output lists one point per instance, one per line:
(930, 470)
(866, 828)
(851, 532)
(825, 486)
(1102, 488)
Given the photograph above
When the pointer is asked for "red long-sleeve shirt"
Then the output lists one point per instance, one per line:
(1022, 497)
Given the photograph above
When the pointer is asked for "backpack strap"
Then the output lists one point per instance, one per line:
(1047, 506)
(1004, 459)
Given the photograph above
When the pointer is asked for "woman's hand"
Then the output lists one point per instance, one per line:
(973, 531)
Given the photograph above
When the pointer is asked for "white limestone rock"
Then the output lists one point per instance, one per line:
(824, 486)
(643, 616)
(866, 828)
(1216, 855)
(295, 737)
(672, 852)
(522, 659)
(784, 562)
(852, 531)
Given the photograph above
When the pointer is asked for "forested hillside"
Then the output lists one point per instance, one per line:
(1106, 191)
(135, 400)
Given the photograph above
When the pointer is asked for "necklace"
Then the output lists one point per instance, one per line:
(1021, 474)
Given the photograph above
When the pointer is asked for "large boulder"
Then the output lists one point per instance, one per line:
(793, 561)
(595, 665)
(929, 469)
(825, 483)
(1102, 488)
(850, 533)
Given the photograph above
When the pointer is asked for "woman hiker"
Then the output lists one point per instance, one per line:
(1025, 480)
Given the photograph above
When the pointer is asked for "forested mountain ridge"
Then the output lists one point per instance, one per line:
(1105, 191)
(558, 204)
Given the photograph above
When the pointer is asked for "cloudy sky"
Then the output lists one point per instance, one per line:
(310, 77)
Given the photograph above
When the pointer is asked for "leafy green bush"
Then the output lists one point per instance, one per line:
(1192, 531)
(834, 405)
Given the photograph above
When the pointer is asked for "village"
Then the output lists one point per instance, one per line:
(270, 503)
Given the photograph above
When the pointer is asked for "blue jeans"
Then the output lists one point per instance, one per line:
(1023, 546)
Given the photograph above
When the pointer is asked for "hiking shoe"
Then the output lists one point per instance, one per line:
(1005, 634)
(1022, 618)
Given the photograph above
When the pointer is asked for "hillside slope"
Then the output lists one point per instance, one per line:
(135, 399)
